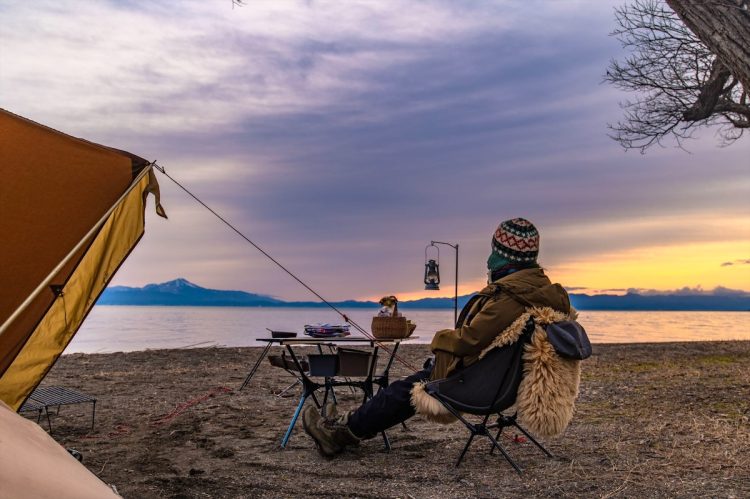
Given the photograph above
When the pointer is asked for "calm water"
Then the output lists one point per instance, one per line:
(119, 328)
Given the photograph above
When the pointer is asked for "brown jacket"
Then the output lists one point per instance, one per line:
(490, 313)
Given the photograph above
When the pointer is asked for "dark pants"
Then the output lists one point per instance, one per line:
(389, 407)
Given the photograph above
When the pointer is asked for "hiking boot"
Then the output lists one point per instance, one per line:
(330, 411)
(331, 436)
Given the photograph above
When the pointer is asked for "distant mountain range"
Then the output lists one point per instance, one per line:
(181, 292)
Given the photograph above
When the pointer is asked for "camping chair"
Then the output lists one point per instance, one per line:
(486, 388)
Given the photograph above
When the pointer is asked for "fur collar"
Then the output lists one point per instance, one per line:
(546, 396)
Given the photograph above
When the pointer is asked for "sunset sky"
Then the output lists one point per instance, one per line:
(343, 136)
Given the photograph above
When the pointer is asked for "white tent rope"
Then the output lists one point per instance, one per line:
(359, 328)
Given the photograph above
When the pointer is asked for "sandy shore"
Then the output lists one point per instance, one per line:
(652, 420)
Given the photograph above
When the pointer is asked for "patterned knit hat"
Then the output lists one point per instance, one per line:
(516, 240)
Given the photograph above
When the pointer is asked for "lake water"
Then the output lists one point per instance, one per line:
(123, 329)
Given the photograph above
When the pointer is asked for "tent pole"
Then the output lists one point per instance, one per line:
(43, 285)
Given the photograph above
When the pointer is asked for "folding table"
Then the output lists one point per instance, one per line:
(309, 386)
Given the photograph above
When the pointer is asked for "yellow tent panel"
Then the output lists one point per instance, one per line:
(70, 213)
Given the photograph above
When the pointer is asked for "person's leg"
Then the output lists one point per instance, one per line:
(389, 407)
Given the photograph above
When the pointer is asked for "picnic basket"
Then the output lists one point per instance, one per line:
(392, 327)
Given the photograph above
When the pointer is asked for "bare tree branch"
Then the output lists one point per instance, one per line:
(681, 85)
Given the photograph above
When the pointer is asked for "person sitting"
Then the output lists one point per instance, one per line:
(495, 317)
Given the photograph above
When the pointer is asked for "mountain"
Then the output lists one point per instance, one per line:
(185, 293)
(431, 303)
(731, 301)
(676, 302)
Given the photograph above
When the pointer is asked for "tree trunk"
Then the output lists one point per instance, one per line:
(724, 26)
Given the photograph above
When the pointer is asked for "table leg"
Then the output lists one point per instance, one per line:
(288, 433)
(333, 391)
(368, 389)
(386, 375)
(315, 399)
(308, 390)
(49, 422)
(282, 392)
(331, 348)
(325, 394)
(386, 372)
(368, 382)
(257, 364)
(309, 385)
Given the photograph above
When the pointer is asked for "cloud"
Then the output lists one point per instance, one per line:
(199, 65)
(745, 261)
(688, 291)
(343, 137)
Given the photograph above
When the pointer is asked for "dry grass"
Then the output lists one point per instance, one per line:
(652, 421)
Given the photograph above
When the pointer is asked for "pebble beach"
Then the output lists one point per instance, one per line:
(652, 420)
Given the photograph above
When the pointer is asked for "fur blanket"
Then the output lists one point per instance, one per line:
(549, 388)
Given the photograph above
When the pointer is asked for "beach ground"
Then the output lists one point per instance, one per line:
(652, 420)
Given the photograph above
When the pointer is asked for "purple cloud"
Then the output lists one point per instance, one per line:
(343, 139)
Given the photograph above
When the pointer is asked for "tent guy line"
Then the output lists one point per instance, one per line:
(359, 328)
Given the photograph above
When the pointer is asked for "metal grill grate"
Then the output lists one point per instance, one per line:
(43, 398)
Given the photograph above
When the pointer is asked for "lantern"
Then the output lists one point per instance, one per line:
(431, 270)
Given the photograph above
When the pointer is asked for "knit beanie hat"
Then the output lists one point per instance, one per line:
(515, 241)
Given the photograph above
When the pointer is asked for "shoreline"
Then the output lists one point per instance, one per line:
(653, 419)
(111, 329)
(422, 343)
(373, 305)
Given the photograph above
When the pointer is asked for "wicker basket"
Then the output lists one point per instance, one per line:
(392, 327)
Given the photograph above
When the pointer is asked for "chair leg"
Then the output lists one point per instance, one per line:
(541, 447)
(497, 437)
(482, 429)
(507, 457)
(466, 448)
(386, 442)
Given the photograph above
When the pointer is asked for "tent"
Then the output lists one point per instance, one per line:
(70, 212)
(32, 465)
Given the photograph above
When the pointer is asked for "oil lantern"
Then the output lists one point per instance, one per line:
(432, 270)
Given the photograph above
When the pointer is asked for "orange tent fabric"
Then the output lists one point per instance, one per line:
(70, 212)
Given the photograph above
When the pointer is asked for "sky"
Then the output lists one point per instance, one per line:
(342, 137)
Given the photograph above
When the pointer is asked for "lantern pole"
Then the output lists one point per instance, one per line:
(455, 295)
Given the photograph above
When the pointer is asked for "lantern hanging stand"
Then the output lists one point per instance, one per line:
(429, 285)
